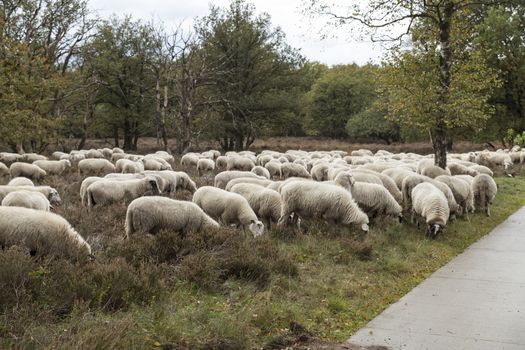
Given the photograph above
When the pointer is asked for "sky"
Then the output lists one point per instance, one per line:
(301, 32)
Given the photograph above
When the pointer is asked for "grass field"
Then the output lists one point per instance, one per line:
(220, 289)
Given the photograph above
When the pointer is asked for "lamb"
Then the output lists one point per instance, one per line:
(460, 169)
(53, 167)
(26, 170)
(27, 199)
(222, 178)
(434, 171)
(127, 166)
(266, 203)
(50, 193)
(261, 171)
(431, 204)
(42, 233)
(239, 163)
(205, 165)
(461, 191)
(310, 199)
(151, 214)
(230, 208)
(294, 170)
(274, 168)
(95, 166)
(4, 170)
(248, 180)
(484, 189)
(104, 192)
(20, 181)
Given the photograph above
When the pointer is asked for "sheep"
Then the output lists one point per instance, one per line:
(84, 186)
(117, 156)
(127, 166)
(184, 182)
(431, 204)
(104, 192)
(154, 163)
(205, 165)
(365, 175)
(94, 154)
(222, 178)
(398, 175)
(434, 171)
(319, 171)
(151, 214)
(31, 157)
(249, 180)
(164, 155)
(95, 166)
(483, 170)
(294, 170)
(274, 168)
(361, 153)
(26, 199)
(189, 160)
(460, 169)
(26, 170)
(9, 158)
(221, 162)
(4, 170)
(310, 199)
(413, 180)
(57, 155)
(106, 152)
(42, 233)
(261, 171)
(20, 181)
(484, 189)
(230, 208)
(53, 167)
(239, 163)
(50, 193)
(461, 190)
(265, 203)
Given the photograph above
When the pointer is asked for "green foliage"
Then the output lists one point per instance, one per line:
(371, 124)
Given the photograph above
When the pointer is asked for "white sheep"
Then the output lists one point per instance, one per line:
(430, 203)
(151, 214)
(95, 166)
(20, 181)
(84, 186)
(221, 162)
(484, 189)
(261, 171)
(42, 233)
(26, 170)
(311, 199)
(266, 203)
(294, 170)
(104, 192)
(222, 178)
(434, 171)
(413, 180)
(460, 169)
(53, 167)
(274, 168)
(94, 154)
(189, 160)
(184, 182)
(205, 165)
(461, 190)
(4, 170)
(319, 171)
(117, 156)
(50, 193)
(127, 166)
(26, 199)
(248, 180)
(483, 170)
(9, 158)
(239, 163)
(31, 157)
(229, 208)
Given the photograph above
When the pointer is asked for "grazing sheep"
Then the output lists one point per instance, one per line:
(230, 208)
(95, 166)
(221, 162)
(50, 193)
(261, 171)
(431, 204)
(26, 199)
(239, 163)
(189, 160)
(413, 180)
(205, 165)
(398, 175)
(151, 214)
(461, 190)
(483, 170)
(153, 163)
(222, 178)
(265, 203)
(84, 186)
(484, 189)
(42, 233)
(31, 157)
(9, 158)
(294, 170)
(361, 153)
(104, 192)
(94, 154)
(4, 170)
(53, 167)
(460, 169)
(127, 166)
(274, 168)
(319, 172)
(20, 181)
(184, 182)
(117, 156)
(434, 171)
(26, 170)
(387, 182)
(375, 200)
(57, 155)
(310, 199)
(248, 180)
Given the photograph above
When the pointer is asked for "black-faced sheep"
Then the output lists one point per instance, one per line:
(430, 203)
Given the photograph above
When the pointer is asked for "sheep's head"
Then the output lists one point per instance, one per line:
(434, 229)
(154, 186)
(54, 197)
(257, 228)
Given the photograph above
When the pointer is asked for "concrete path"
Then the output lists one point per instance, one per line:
(475, 302)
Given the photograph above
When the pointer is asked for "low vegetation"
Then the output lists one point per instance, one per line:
(220, 289)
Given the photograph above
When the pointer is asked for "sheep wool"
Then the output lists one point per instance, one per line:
(484, 189)
(20, 181)
(104, 192)
(95, 166)
(50, 193)
(266, 203)
(430, 203)
(205, 165)
(53, 167)
(27, 199)
(4, 170)
(26, 170)
(150, 214)
(222, 178)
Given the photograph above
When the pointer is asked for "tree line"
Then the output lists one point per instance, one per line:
(457, 71)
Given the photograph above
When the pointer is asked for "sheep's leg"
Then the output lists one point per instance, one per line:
(487, 210)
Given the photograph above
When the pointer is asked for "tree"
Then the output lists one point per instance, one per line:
(255, 68)
(443, 25)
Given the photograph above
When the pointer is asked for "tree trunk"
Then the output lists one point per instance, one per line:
(128, 135)
(116, 136)
(163, 132)
(157, 110)
(439, 143)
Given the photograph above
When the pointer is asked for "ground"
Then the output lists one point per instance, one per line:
(221, 289)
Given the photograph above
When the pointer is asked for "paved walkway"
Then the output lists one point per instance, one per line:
(475, 302)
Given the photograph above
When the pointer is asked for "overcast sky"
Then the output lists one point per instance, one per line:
(301, 33)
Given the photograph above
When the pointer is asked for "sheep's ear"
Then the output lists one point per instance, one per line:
(252, 222)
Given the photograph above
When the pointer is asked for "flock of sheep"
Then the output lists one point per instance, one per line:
(250, 191)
